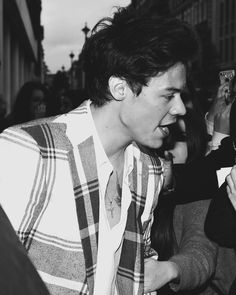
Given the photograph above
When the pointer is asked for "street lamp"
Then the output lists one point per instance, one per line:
(71, 55)
(85, 30)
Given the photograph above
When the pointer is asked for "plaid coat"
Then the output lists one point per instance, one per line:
(49, 188)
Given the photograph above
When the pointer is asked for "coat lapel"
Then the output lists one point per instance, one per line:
(144, 182)
(86, 191)
(130, 277)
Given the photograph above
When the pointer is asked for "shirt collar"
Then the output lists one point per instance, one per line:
(102, 159)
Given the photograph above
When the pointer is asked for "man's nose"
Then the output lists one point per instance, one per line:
(179, 107)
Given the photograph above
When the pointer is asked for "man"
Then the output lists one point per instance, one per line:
(78, 188)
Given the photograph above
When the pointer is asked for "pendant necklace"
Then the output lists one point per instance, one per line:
(111, 208)
(116, 200)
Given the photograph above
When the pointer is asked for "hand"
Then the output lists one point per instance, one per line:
(168, 185)
(218, 102)
(158, 273)
(231, 187)
(221, 120)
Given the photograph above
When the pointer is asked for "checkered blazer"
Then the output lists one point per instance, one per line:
(49, 188)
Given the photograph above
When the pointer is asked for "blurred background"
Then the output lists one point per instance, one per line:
(41, 40)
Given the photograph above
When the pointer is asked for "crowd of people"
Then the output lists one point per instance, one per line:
(134, 190)
(36, 100)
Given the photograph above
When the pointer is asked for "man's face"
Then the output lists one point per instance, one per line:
(147, 115)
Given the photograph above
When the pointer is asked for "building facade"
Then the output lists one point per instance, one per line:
(215, 22)
(219, 17)
(21, 53)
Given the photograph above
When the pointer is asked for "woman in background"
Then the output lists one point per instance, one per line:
(178, 230)
(30, 103)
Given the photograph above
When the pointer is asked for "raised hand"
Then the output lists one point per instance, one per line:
(221, 119)
(158, 273)
(218, 103)
(231, 186)
(168, 173)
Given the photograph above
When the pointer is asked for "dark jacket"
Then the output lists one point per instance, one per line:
(17, 273)
(197, 180)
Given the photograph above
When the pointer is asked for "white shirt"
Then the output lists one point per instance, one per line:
(110, 239)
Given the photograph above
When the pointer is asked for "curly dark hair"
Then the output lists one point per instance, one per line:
(134, 46)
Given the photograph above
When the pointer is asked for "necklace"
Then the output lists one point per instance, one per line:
(112, 203)
(115, 201)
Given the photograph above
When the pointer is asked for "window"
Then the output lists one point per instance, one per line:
(232, 9)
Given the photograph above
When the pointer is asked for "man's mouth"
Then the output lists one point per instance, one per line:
(165, 129)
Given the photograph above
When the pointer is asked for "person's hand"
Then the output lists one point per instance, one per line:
(231, 186)
(221, 120)
(218, 103)
(168, 185)
(158, 273)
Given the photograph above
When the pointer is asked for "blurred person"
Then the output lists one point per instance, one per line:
(17, 273)
(231, 186)
(66, 104)
(30, 104)
(192, 154)
(178, 230)
(220, 225)
(3, 111)
(63, 101)
(70, 100)
(84, 205)
(217, 117)
(220, 222)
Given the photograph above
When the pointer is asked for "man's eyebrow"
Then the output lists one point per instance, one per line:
(173, 89)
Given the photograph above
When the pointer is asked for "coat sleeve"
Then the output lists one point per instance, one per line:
(19, 158)
(196, 256)
(21, 178)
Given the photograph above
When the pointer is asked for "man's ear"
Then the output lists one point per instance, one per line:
(118, 87)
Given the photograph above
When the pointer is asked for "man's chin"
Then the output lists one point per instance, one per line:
(152, 145)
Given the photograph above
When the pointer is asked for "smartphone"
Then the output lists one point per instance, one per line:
(227, 77)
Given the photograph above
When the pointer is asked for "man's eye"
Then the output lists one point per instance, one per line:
(169, 96)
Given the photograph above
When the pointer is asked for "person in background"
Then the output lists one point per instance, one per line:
(83, 206)
(30, 104)
(190, 161)
(220, 224)
(3, 112)
(220, 219)
(185, 210)
(231, 187)
(17, 273)
(178, 229)
(217, 117)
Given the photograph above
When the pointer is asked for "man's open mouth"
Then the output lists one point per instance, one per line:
(165, 128)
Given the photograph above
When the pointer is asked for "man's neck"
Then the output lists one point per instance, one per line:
(111, 132)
